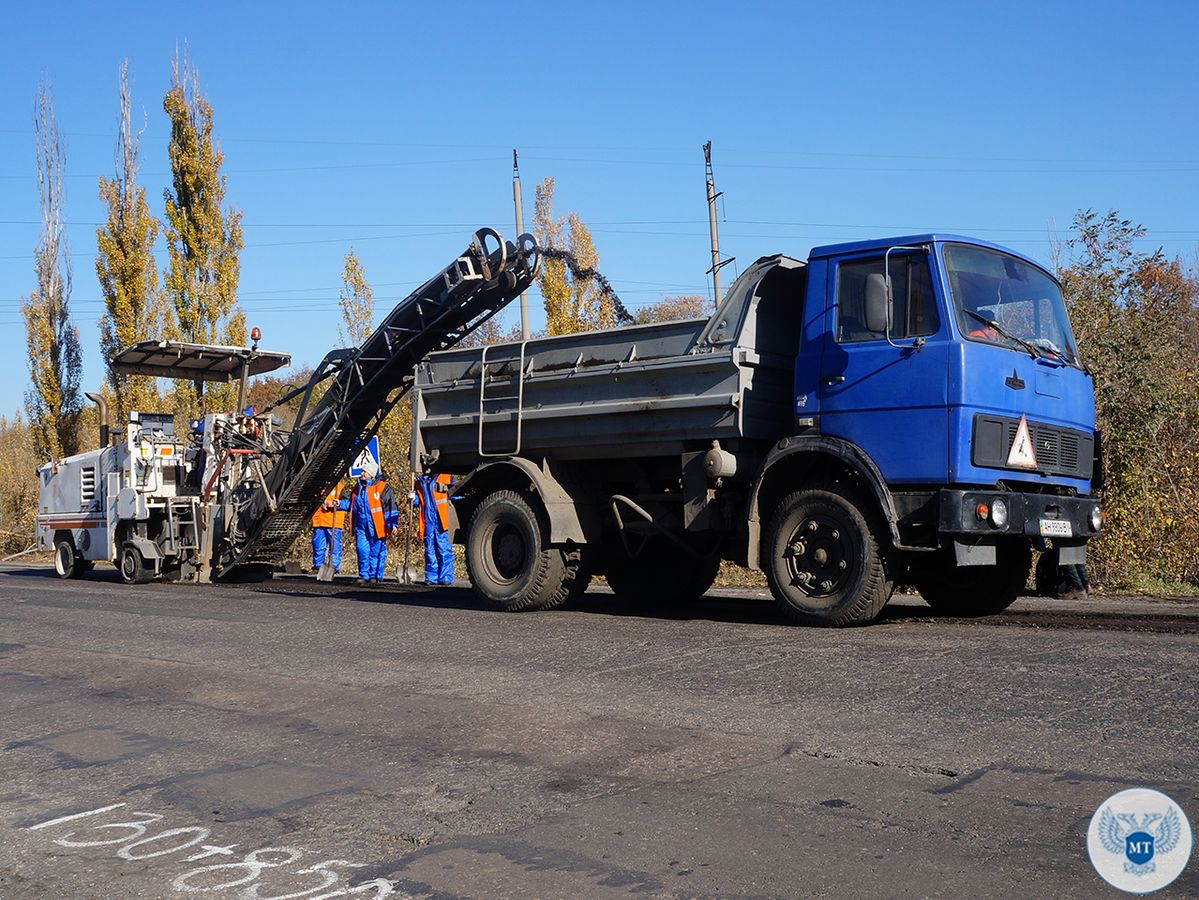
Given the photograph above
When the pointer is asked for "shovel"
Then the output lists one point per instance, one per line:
(404, 573)
(326, 570)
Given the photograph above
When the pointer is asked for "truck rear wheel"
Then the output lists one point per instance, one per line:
(824, 559)
(508, 559)
(132, 567)
(662, 572)
(67, 563)
(974, 591)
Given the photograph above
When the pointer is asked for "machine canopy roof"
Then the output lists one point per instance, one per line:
(205, 362)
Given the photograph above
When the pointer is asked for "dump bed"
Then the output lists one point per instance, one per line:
(644, 390)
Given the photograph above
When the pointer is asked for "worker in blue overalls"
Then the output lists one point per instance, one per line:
(374, 517)
(327, 525)
(432, 499)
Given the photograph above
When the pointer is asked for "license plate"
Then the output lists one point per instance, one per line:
(1056, 528)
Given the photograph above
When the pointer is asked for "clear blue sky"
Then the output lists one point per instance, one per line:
(389, 127)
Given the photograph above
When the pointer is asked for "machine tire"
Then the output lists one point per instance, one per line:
(132, 566)
(67, 563)
(662, 572)
(826, 535)
(508, 560)
(973, 591)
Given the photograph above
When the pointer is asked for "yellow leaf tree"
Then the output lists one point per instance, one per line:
(203, 241)
(671, 309)
(52, 400)
(357, 302)
(572, 303)
(135, 309)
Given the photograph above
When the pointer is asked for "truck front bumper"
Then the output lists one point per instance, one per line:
(972, 517)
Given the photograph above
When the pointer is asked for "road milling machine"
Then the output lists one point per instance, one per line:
(226, 500)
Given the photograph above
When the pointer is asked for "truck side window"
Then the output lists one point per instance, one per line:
(915, 308)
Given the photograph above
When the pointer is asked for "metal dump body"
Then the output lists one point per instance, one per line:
(639, 391)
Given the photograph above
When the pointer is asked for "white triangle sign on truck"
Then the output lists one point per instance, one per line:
(1022, 453)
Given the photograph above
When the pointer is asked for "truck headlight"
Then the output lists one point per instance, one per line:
(1096, 518)
(998, 517)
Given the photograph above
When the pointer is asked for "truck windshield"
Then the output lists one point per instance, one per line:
(1021, 299)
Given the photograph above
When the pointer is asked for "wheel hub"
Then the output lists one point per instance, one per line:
(818, 556)
(509, 552)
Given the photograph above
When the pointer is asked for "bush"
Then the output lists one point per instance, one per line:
(1136, 319)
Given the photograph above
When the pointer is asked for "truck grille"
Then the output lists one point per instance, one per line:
(1059, 451)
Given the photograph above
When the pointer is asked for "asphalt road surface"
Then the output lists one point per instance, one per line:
(302, 740)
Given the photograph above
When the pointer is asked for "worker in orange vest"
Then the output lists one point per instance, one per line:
(374, 517)
(327, 525)
(432, 498)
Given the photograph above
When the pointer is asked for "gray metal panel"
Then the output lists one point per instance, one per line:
(206, 362)
(644, 390)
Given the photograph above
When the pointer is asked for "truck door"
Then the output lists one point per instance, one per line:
(889, 400)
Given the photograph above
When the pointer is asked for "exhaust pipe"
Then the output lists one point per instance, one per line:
(102, 412)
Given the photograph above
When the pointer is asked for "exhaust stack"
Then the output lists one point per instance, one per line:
(102, 412)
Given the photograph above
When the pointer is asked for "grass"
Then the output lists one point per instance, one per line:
(1158, 586)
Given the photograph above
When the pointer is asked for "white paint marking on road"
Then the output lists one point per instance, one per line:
(82, 815)
(250, 864)
(210, 850)
(136, 846)
(138, 828)
(197, 833)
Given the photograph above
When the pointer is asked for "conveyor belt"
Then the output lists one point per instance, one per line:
(363, 386)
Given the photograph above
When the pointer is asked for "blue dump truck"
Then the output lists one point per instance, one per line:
(904, 411)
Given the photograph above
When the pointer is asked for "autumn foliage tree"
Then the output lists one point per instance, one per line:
(671, 309)
(203, 240)
(357, 302)
(53, 399)
(1136, 319)
(134, 305)
(571, 304)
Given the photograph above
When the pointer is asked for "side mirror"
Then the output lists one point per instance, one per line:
(878, 303)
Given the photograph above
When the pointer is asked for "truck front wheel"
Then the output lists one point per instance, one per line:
(979, 590)
(508, 560)
(824, 559)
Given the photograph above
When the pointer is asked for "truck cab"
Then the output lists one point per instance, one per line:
(945, 366)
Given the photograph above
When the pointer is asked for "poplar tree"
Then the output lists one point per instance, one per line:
(53, 400)
(672, 309)
(203, 242)
(357, 302)
(572, 304)
(134, 305)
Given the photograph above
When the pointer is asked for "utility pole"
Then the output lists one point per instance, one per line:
(712, 195)
(520, 229)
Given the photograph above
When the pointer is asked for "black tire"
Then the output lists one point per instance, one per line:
(132, 566)
(67, 563)
(508, 560)
(663, 572)
(973, 591)
(824, 558)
